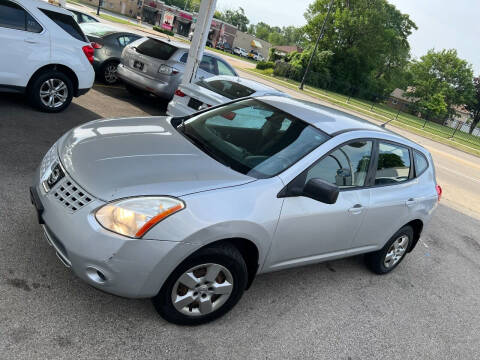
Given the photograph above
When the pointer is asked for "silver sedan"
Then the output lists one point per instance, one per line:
(189, 210)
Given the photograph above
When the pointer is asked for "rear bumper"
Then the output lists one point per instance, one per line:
(177, 109)
(154, 86)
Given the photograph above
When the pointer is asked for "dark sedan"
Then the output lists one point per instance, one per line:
(108, 43)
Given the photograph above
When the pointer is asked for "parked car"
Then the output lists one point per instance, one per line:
(49, 58)
(224, 46)
(83, 18)
(188, 210)
(108, 43)
(156, 66)
(240, 51)
(216, 90)
(255, 55)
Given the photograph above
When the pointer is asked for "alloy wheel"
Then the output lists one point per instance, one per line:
(53, 93)
(202, 289)
(396, 251)
(111, 73)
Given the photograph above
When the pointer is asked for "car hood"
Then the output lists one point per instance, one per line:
(119, 158)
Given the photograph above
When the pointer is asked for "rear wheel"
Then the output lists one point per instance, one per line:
(388, 258)
(109, 72)
(51, 91)
(204, 287)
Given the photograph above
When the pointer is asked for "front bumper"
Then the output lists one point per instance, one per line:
(134, 268)
(143, 82)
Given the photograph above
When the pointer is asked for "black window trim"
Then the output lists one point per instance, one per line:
(29, 13)
(293, 189)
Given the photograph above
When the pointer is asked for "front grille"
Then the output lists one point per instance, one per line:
(70, 195)
(48, 160)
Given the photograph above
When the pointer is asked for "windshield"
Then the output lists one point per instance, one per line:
(227, 88)
(252, 137)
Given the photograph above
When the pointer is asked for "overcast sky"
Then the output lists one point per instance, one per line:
(442, 24)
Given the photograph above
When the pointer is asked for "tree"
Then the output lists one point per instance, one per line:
(474, 105)
(287, 35)
(236, 18)
(441, 80)
(368, 39)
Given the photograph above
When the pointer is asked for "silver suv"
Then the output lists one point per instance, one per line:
(189, 210)
(157, 66)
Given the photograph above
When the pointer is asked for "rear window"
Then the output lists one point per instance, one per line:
(67, 23)
(156, 48)
(229, 89)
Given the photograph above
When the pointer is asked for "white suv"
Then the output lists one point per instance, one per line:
(49, 57)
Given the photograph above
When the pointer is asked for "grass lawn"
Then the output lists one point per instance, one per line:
(114, 19)
(381, 112)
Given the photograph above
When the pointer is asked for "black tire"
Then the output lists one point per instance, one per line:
(38, 83)
(106, 76)
(225, 255)
(376, 261)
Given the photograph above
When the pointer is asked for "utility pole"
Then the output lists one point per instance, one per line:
(320, 36)
(98, 8)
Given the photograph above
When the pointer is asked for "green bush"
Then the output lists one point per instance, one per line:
(163, 31)
(262, 65)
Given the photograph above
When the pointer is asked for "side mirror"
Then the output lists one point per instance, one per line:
(321, 190)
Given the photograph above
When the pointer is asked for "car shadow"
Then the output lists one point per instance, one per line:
(151, 104)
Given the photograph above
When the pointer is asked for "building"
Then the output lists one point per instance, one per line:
(250, 42)
(283, 50)
(399, 101)
(132, 8)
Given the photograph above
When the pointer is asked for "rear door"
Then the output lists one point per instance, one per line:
(392, 194)
(25, 41)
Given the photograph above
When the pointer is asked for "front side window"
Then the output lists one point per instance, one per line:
(67, 23)
(227, 88)
(208, 64)
(13, 16)
(346, 166)
(252, 137)
(393, 164)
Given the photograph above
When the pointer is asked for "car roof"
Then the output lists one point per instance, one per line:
(256, 86)
(99, 29)
(330, 121)
(44, 5)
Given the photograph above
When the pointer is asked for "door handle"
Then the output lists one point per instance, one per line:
(356, 209)
(410, 202)
(30, 41)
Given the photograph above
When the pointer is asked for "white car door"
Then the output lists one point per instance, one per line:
(25, 41)
(310, 231)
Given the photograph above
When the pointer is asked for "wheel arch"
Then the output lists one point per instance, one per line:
(417, 226)
(58, 67)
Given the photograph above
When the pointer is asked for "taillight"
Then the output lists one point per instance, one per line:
(439, 191)
(88, 51)
(180, 93)
(96, 45)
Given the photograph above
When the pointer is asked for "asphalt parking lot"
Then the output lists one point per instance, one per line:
(428, 308)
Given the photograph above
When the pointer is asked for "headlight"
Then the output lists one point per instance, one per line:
(135, 216)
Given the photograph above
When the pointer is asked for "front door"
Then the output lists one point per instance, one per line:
(310, 231)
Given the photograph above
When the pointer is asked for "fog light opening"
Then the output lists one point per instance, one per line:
(96, 275)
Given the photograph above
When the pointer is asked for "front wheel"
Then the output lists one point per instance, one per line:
(204, 287)
(109, 72)
(388, 258)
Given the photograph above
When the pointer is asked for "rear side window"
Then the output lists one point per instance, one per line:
(156, 48)
(13, 16)
(346, 166)
(127, 39)
(421, 163)
(229, 89)
(393, 164)
(209, 65)
(67, 23)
